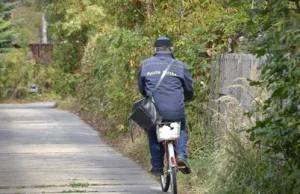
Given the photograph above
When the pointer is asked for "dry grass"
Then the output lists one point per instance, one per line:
(234, 153)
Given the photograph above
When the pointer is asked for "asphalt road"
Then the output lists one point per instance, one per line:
(46, 150)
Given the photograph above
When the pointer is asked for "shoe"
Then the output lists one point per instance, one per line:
(183, 162)
(156, 171)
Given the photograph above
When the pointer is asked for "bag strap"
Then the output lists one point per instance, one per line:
(162, 77)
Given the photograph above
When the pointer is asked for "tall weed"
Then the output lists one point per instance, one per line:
(233, 160)
(236, 165)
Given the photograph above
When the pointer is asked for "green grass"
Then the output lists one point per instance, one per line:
(43, 186)
(74, 185)
(74, 191)
(20, 187)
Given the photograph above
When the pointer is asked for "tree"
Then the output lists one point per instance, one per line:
(71, 24)
(6, 34)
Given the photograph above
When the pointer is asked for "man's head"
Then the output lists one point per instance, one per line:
(163, 44)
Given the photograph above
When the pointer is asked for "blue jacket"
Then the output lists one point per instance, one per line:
(176, 87)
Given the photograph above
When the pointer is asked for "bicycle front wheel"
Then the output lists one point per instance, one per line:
(173, 180)
(172, 167)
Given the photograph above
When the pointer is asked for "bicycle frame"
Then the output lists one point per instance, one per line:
(170, 154)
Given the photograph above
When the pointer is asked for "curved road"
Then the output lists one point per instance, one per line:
(46, 150)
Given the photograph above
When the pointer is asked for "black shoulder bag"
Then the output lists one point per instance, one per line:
(144, 112)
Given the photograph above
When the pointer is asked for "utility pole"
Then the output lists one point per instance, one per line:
(44, 28)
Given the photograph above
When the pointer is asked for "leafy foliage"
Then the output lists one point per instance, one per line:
(278, 130)
(281, 77)
(110, 64)
(16, 74)
(72, 23)
(274, 32)
(6, 34)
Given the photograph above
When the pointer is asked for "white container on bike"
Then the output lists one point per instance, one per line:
(168, 131)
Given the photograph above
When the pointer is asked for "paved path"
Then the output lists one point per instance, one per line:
(46, 150)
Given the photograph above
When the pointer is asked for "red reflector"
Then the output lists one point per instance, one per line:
(173, 161)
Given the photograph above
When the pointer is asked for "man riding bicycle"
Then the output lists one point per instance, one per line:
(169, 98)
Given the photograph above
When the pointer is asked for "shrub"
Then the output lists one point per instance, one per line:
(17, 73)
(108, 73)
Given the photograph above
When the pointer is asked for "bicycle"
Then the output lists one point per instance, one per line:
(168, 134)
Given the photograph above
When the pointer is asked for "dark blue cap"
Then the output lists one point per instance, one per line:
(163, 41)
